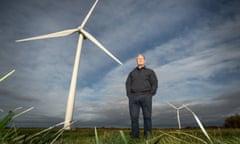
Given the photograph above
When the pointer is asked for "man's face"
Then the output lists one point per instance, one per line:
(140, 60)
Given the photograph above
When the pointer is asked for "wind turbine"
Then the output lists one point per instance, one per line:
(82, 35)
(194, 115)
(178, 114)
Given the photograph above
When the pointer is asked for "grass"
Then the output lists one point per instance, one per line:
(55, 135)
(159, 136)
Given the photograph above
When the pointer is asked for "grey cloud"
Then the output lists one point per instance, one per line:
(9, 94)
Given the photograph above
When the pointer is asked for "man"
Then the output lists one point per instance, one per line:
(141, 85)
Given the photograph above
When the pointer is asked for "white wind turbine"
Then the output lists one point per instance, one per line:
(178, 114)
(194, 115)
(82, 35)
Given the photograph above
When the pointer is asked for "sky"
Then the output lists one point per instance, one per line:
(193, 47)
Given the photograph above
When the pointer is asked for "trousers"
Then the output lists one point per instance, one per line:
(144, 103)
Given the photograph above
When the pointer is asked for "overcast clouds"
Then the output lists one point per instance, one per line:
(193, 46)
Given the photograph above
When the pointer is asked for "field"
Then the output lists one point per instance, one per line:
(56, 135)
(161, 136)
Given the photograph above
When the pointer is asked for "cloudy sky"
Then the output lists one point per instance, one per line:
(193, 46)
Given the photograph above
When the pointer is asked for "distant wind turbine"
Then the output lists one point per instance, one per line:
(178, 114)
(195, 116)
(82, 35)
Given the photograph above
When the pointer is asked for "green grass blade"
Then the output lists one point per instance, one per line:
(192, 136)
(123, 136)
(174, 137)
(6, 120)
(199, 123)
(43, 131)
(18, 139)
(96, 136)
(7, 75)
(21, 113)
(57, 135)
(8, 135)
(155, 140)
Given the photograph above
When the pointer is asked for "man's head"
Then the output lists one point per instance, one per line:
(140, 60)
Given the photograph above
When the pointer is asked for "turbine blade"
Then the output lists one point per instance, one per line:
(91, 38)
(88, 15)
(173, 106)
(51, 35)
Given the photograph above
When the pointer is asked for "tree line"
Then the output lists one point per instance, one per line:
(232, 121)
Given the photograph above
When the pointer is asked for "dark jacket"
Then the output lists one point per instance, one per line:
(141, 82)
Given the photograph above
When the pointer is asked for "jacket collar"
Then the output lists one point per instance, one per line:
(141, 68)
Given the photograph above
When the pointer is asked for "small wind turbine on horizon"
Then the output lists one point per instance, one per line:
(178, 114)
(194, 115)
(82, 35)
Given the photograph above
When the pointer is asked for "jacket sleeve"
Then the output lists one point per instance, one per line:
(128, 85)
(154, 83)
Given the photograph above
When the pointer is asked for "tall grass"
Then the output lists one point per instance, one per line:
(13, 136)
(53, 135)
(169, 137)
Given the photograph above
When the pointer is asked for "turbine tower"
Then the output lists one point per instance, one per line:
(82, 35)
